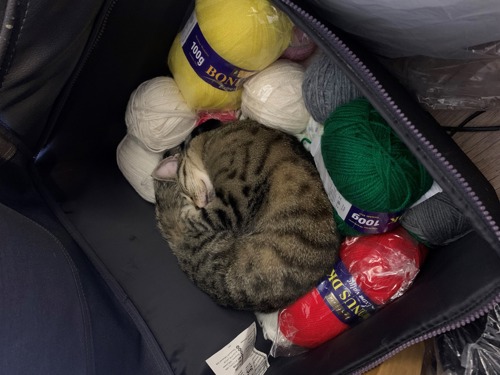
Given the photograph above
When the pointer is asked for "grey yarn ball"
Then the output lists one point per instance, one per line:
(325, 87)
(436, 221)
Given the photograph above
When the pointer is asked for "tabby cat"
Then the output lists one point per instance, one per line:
(244, 211)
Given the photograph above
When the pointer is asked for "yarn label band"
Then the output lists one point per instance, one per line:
(369, 222)
(344, 297)
(366, 222)
(206, 63)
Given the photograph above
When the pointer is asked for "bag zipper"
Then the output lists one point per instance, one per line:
(478, 313)
(377, 94)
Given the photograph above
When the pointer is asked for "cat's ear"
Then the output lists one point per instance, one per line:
(166, 170)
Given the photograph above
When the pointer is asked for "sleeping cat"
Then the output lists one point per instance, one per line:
(244, 211)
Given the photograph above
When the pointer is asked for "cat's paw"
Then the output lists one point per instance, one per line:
(196, 182)
(200, 188)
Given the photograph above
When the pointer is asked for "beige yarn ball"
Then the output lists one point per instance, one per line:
(158, 115)
(137, 163)
(273, 97)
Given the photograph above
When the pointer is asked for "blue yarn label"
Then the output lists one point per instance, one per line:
(344, 297)
(207, 64)
(366, 222)
(371, 222)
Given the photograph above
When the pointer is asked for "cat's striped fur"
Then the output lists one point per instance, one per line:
(247, 217)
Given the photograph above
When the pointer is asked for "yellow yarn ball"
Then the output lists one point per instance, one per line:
(248, 34)
(199, 95)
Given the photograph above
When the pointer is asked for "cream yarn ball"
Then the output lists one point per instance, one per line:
(273, 97)
(136, 164)
(158, 115)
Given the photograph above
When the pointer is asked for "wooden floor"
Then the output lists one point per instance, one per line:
(483, 148)
(407, 362)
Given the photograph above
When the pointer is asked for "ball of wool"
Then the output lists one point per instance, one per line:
(273, 97)
(301, 46)
(158, 115)
(436, 221)
(248, 34)
(136, 164)
(383, 266)
(369, 165)
(325, 87)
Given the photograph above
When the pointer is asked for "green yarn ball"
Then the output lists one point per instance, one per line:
(370, 166)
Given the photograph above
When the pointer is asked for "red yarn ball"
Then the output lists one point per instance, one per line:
(382, 265)
(309, 322)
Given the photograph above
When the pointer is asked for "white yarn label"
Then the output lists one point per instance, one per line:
(367, 222)
(435, 188)
(240, 357)
(207, 63)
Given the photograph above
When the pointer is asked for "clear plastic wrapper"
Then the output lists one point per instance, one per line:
(226, 116)
(372, 271)
(445, 52)
(441, 29)
(452, 84)
(471, 350)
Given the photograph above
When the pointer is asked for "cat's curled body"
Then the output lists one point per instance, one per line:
(244, 211)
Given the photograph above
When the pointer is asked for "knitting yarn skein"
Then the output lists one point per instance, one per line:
(326, 87)
(369, 165)
(136, 164)
(301, 46)
(436, 221)
(273, 97)
(224, 42)
(372, 271)
(158, 115)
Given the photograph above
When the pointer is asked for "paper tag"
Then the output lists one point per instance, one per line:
(240, 357)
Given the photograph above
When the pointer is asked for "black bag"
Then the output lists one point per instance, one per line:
(87, 284)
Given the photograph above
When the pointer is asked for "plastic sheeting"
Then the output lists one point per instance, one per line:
(445, 52)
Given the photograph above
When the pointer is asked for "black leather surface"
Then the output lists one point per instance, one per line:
(40, 45)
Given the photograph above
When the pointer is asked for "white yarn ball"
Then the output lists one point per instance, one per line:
(137, 163)
(269, 324)
(273, 97)
(158, 115)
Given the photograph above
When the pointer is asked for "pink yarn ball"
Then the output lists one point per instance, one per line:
(301, 46)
